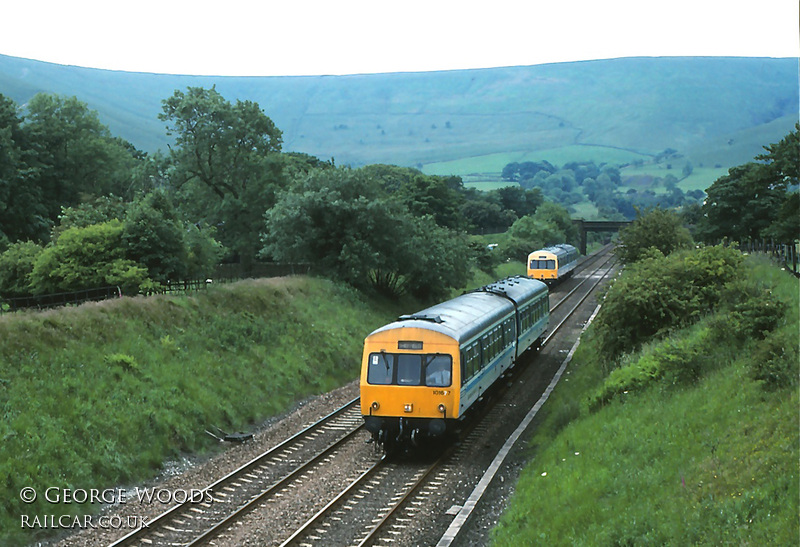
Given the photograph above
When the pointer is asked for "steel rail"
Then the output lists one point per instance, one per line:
(253, 503)
(334, 502)
(579, 285)
(584, 297)
(148, 529)
(373, 533)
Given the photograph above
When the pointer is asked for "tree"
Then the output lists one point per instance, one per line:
(434, 196)
(345, 223)
(483, 216)
(654, 229)
(72, 156)
(226, 163)
(741, 204)
(755, 200)
(550, 225)
(85, 258)
(153, 237)
(782, 157)
(557, 216)
(519, 200)
(100, 210)
(784, 166)
(16, 266)
(22, 214)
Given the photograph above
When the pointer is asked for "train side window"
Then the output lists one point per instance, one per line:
(380, 369)
(438, 371)
(474, 353)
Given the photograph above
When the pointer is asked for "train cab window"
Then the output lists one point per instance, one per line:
(380, 369)
(543, 264)
(438, 371)
(409, 369)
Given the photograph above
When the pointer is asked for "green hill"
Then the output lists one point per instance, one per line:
(715, 111)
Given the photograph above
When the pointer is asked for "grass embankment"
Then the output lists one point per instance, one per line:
(101, 394)
(691, 440)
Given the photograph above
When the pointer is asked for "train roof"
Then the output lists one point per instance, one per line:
(562, 249)
(468, 315)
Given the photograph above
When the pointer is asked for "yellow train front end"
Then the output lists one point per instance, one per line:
(543, 265)
(410, 380)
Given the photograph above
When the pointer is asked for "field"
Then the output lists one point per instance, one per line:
(491, 165)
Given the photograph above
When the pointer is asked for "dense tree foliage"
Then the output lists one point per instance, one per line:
(549, 225)
(72, 195)
(88, 257)
(20, 213)
(225, 165)
(154, 237)
(71, 155)
(16, 266)
(58, 154)
(135, 244)
(657, 229)
(347, 225)
(575, 182)
(757, 199)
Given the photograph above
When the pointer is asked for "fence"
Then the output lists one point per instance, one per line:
(225, 273)
(181, 287)
(787, 254)
(58, 299)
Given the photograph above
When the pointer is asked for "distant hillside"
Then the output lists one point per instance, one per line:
(715, 111)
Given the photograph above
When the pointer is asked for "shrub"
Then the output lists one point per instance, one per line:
(752, 311)
(670, 362)
(86, 257)
(657, 228)
(659, 293)
(775, 361)
(16, 265)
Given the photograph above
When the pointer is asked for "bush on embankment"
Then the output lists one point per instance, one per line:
(102, 394)
(690, 440)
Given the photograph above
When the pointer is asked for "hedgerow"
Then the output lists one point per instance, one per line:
(659, 293)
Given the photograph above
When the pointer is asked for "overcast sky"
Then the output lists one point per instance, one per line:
(314, 37)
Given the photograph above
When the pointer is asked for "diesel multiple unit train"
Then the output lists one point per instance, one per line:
(552, 264)
(421, 373)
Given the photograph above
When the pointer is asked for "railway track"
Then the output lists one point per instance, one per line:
(381, 505)
(224, 502)
(377, 506)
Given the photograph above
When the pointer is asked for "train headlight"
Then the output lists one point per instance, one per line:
(442, 408)
(409, 407)
(375, 405)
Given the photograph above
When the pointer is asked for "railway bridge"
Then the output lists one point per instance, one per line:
(597, 226)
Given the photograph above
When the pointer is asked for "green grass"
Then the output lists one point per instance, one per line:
(585, 210)
(102, 394)
(700, 179)
(713, 462)
(491, 165)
